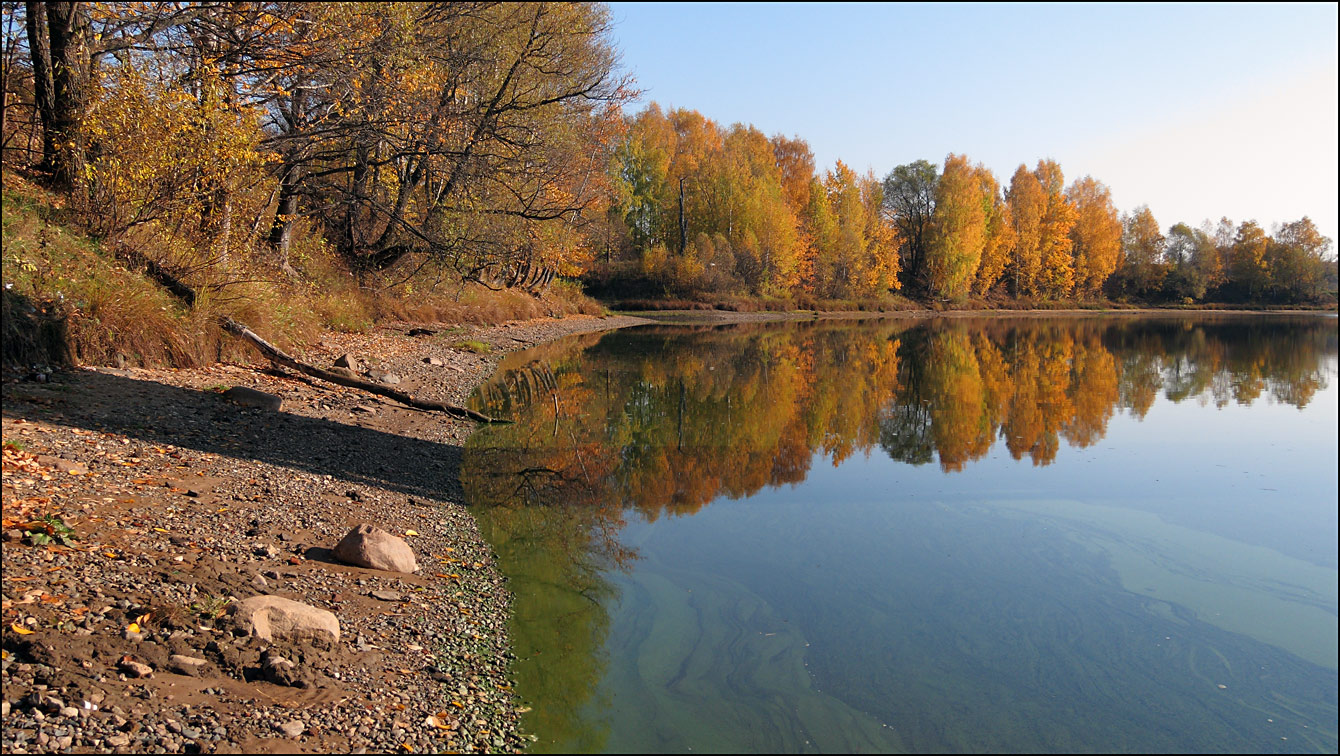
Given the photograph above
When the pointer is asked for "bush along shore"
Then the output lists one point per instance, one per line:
(147, 510)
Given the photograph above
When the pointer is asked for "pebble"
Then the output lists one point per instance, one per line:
(293, 729)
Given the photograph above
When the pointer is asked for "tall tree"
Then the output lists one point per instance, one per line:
(68, 29)
(1296, 257)
(958, 230)
(44, 86)
(1142, 265)
(909, 200)
(1055, 247)
(1194, 262)
(1096, 235)
(1028, 207)
(999, 243)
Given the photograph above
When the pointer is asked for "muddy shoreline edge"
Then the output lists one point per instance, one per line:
(181, 503)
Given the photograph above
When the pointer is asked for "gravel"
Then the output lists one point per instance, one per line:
(182, 504)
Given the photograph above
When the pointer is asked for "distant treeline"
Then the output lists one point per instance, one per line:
(427, 143)
(701, 209)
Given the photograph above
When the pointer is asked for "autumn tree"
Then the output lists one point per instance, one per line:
(1142, 267)
(1028, 207)
(1194, 261)
(1096, 235)
(1000, 237)
(1248, 271)
(958, 230)
(1296, 257)
(1055, 245)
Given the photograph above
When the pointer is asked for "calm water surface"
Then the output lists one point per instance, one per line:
(1089, 534)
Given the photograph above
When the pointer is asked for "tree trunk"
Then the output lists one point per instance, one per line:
(274, 355)
(39, 45)
(281, 233)
(68, 25)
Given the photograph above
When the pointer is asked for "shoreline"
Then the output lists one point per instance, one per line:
(180, 500)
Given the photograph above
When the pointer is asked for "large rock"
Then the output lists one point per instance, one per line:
(249, 397)
(368, 546)
(272, 618)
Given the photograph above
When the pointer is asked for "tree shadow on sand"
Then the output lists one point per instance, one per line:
(156, 413)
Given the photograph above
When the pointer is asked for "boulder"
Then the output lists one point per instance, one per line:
(249, 397)
(272, 618)
(369, 546)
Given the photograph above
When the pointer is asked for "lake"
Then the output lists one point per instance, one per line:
(1059, 534)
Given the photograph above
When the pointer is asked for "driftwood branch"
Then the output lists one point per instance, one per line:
(168, 280)
(273, 354)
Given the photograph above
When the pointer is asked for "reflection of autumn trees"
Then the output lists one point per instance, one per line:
(666, 420)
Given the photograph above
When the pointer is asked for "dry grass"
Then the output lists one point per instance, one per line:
(68, 299)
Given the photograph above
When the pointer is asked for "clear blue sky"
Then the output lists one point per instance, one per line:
(1198, 111)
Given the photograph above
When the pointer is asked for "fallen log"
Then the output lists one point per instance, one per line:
(276, 356)
(186, 294)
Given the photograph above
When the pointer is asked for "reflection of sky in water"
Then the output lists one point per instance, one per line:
(1170, 587)
(1263, 473)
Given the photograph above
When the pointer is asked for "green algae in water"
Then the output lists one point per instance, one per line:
(738, 539)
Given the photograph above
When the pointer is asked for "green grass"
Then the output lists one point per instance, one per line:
(478, 347)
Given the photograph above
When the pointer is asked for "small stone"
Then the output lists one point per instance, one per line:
(272, 618)
(63, 465)
(249, 397)
(281, 671)
(433, 361)
(259, 581)
(185, 665)
(386, 595)
(347, 361)
(135, 669)
(293, 729)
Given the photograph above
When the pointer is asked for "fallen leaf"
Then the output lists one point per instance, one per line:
(20, 629)
(411, 532)
(133, 627)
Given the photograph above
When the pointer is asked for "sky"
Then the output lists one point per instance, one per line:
(1198, 111)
